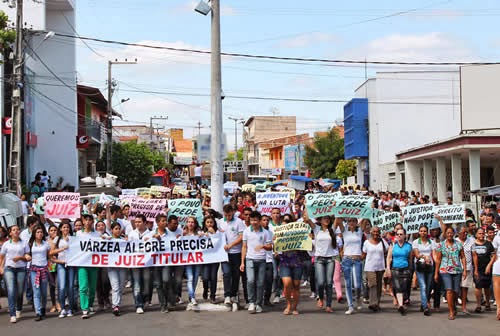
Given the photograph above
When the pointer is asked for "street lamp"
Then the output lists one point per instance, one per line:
(217, 178)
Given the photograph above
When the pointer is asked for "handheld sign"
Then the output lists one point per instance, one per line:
(248, 187)
(184, 208)
(355, 206)
(451, 213)
(319, 205)
(61, 205)
(416, 215)
(292, 236)
(266, 201)
(385, 220)
(147, 207)
(289, 190)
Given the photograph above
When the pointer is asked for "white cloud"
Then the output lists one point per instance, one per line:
(307, 39)
(430, 47)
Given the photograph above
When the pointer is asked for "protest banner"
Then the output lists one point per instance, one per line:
(416, 215)
(88, 252)
(184, 208)
(144, 192)
(159, 191)
(129, 192)
(449, 214)
(248, 187)
(355, 206)
(319, 205)
(61, 205)
(147, 207)
(385, 220)
(266, 201)
(289, 190)
(292, 236)
(231, 186)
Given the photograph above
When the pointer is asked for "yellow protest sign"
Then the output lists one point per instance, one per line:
(289, 190)
(292, 236)
(248, 187)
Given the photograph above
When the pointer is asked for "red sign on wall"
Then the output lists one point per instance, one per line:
(7, 125)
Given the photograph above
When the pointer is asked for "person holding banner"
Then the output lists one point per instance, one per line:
(87, 276)
(276, 220)
(65, 274)
(210, 270)
(399, 260)
(233, 228)
(291, 266)
(39, 250)
(192, 271)
(327, 246)
(117, 276)
(13, 258)
(452, 267)
(141, 276)
(351, 263)
(423, 248)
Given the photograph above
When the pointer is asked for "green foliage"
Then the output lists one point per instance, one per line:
(7, 36)
(230, 156)
(345, 168)
(322, 158)
(134, 163)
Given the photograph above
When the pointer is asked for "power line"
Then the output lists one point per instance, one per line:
(280, 58)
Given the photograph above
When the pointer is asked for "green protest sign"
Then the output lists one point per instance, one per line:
(319, 205)
(356, 206)
(184, 208)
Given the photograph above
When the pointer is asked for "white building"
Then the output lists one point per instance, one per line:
(50, 97)
(422, 136)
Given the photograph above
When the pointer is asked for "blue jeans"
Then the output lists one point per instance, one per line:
(39, 293)
(451, 282)
(192, 274)
(65, 282)
(324, 268)
(352, 277)
(425, 285)
(210, 275)
(142, 288)
(277, 284)
(117, 278)
(168, 279)
(14, 281)
(256, 273)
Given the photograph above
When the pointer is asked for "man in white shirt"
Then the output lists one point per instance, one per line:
(141, 276)
(233, 228)
(169, 277)
(256, 241)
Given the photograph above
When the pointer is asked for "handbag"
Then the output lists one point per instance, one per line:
(423, 267)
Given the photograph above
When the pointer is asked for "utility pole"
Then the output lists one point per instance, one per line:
(217, 172)
(151, 129)
(235, 136)
(111, 86)
(245, 150)
(17, 125)
(199, 128)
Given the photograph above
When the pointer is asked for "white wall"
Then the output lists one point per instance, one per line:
(55, 123)
(430, 113)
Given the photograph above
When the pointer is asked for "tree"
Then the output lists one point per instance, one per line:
(323, 156)
(230, 156)
(345, 168)
(134, 163)
(7, 35)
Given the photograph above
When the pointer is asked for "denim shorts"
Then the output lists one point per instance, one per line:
(291, 272)
(451, 281)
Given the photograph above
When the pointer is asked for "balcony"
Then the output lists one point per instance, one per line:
(95, 130)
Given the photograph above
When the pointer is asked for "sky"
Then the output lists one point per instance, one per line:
(177, 84)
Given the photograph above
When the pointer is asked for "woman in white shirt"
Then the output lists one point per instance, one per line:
(351, 261)
(65, 274)
(13, 257)
(423, 248)
(374, 250)
(327, 246)
(496, 272)
(38, 270)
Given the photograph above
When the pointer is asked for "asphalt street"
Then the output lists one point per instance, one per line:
(311, 321)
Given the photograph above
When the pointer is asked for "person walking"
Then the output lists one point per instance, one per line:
(374, 255)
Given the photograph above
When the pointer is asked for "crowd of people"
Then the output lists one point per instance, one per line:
(444, 261)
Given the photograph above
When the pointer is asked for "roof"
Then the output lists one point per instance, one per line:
(95, 96)
(127, 138)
